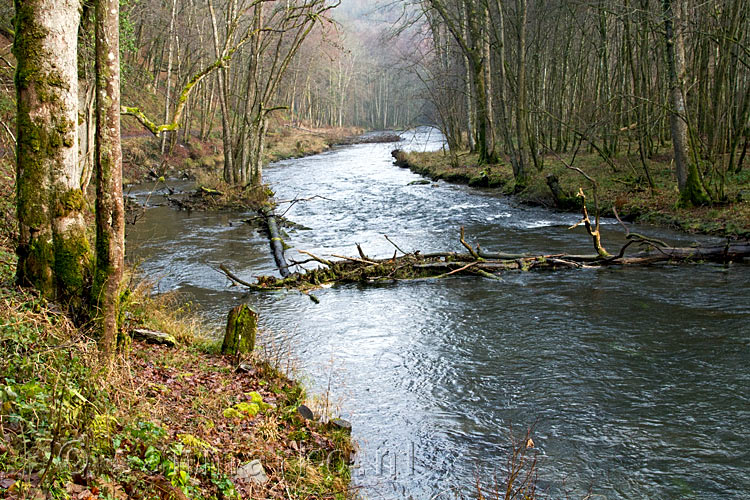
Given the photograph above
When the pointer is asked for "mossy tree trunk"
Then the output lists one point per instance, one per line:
(110, 218)
(53, 250)
(688, 177)
(242, 325)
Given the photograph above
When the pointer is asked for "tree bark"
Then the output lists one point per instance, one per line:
(468, 90)
(169, 74)
(53, 251)
(110, 214)
(223, 96)
(520, 165)
(277, 244)
(688, 180)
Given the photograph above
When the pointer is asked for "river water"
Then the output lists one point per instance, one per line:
(635, 380)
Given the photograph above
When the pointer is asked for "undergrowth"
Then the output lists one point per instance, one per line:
(165, 423)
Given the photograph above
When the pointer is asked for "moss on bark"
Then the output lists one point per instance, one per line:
(71, 264)
(53, 248)
(242, 324)
(693, 194)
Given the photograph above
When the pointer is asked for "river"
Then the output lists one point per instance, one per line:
(635, 380)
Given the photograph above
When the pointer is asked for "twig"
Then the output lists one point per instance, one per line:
(293, 262)
(468, 247)
(361, 252)
(456, 271)
(316, 258)
(617, 216)
(10, 66)
(296, 200)
(645, 239)
(234, 277)
(361, 261)
(10, 133)
(392, 243)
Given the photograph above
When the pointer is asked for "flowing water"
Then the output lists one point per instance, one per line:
(636, 380)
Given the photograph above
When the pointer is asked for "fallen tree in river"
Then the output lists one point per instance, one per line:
(274, 238)
(475, 261)
(416, 265)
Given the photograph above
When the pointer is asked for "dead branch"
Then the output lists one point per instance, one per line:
(468, 247)
(236, 279)
(593, 230)
(415, 266)
(361, 252)
(352, 259)
(297, 200)
(294, 201)
(456, 271)
(316, 258)
(392, 243)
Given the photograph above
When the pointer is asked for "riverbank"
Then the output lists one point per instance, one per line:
(203, 161)
(169, 422)
(621, 186)
(143, 160)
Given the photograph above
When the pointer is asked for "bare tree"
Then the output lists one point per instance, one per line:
(688, 181)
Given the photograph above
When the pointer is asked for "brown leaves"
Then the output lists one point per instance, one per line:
(187, 392)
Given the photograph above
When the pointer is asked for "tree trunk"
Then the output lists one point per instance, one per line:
(277, 243)
(53, 251)
(110, 215)
(688, 180)
(169, 74)
(222, 77)
(487, 56)
(468, 92)
(520, 166)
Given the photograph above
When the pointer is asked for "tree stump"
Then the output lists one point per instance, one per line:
(242, 325)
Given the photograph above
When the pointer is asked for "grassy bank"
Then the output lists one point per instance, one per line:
(169, 423)
(621, 186)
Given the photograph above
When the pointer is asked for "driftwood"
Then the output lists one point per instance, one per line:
(277, 244)
(477, 262)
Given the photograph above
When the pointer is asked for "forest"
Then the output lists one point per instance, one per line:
(625, 123)
(529, 80)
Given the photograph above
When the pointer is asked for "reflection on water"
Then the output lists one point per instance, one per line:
(636, 379)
